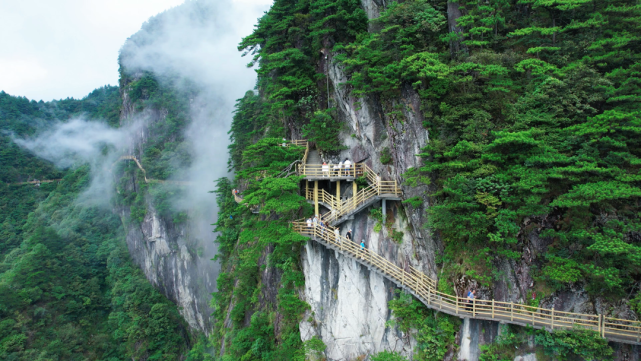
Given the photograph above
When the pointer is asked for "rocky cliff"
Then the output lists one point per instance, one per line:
(348, 302)
(173, 255)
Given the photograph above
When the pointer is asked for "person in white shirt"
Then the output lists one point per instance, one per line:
(325, 169)
(337, 234)
(340, 166)
(348, 165)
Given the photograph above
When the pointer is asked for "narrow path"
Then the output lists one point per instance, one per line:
(424, 288)
(148, 180)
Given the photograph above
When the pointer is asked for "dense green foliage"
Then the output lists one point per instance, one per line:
(536, 118)
(289, 44)
(68, 288)
(533, 115)
(434, 332)
(248, 245)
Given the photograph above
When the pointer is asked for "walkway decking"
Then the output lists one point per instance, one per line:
(423, 287)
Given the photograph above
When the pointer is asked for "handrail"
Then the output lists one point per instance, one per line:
(425, 288)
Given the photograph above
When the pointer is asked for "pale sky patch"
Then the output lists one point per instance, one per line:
(66, 48)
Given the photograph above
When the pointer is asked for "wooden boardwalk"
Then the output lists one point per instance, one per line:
(423, 287)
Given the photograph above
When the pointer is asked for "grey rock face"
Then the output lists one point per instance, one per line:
(349, 306)
(171, 255)
(168, 258)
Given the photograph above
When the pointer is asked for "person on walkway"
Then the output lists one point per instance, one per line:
(309, 224)
(470, 299)
(362, 249)
(315, 223)
(335, 170)
(322, 227)
(325, 169)
(337, 234)
(348, 165)
(349, 235)
(340, 167)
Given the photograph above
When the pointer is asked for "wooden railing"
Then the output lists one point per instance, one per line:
(424, 288)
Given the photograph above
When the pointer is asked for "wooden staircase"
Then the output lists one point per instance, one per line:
(420, 285)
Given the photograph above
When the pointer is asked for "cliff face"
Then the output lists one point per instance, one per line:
(170, 254)
(348, 302)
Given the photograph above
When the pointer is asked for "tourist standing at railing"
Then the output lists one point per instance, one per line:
(348, 165)
(322, 227)
(362, 249)
(315, 221)
(325, 169)
(340, 168)
(337, 170)
(470, 299)
(309, 223)
(349, 235)
(337, 233)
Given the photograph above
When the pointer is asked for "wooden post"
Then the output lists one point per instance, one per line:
(354, 191)
(603, 326)
(306, 188)
(457, 305)
(403, 278)
(552, 325)
(384, 211)
(638, 332)
(474, 307)
(533, 322)
(338, 194)
(492, 308)
(316, 197)
(511, 311)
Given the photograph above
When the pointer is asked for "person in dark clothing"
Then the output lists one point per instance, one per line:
(349, 235)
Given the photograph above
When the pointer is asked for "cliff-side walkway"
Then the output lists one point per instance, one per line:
(423, 287)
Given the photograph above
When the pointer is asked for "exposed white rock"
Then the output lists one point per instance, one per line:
(348, 306)
(528, 357)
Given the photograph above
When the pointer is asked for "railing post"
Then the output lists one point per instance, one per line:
(403, 278)
(492, 308)
(533, 322)
(511, 311)
(474, 307)
(354, 190)
(316, 197)
(457, 305)
(552, 322)
(638, 332)
(603, 326)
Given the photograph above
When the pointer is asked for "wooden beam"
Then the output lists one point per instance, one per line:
(316, 197)
(354, 189)
(338, 193)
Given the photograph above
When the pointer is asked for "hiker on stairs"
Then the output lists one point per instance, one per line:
(337, 233)
(363, 249)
